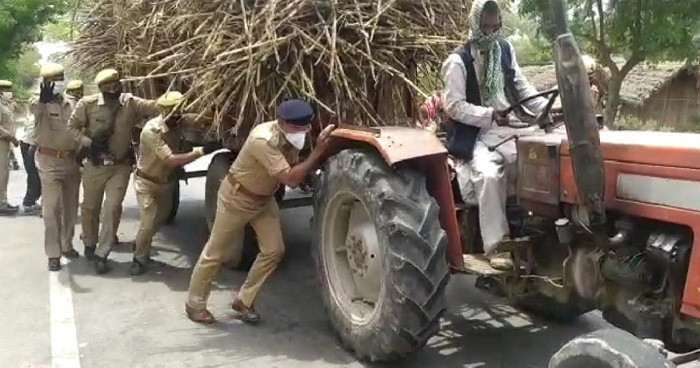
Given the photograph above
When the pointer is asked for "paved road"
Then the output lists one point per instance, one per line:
(115, 321)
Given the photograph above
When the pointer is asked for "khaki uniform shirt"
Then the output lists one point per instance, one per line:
(51, 123)
(92, 117)
(158, 142)
(7, 119)
(264, 155)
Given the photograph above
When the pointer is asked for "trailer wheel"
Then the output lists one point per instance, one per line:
(609, 348)
(380, 255)
(175, 200)
(217, 171)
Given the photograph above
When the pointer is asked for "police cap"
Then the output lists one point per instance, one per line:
(74, 84)
(170, 99)
(107, 76)
(51, 70)
(5, 83)
(296, 112)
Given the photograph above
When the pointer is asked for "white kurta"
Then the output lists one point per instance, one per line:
(487, 170)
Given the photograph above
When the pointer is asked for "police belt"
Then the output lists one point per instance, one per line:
(54, 153)
(242, 189)
(150, 178)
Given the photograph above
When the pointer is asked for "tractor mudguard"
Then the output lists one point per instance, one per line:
(395, 144)
(425, 151)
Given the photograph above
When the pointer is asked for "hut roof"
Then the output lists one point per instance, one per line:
(637, 87)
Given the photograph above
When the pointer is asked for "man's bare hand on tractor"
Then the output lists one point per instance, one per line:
(324, 139)
(500, 118)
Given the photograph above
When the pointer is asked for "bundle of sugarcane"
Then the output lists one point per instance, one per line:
(358, 60)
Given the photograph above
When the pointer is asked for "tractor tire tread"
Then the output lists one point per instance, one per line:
(415, 265)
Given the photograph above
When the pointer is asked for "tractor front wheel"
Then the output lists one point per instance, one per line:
(380, 255)
(609, 348)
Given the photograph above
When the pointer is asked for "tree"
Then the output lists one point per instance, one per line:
(640, 30)
(20, 24)
(522, 31)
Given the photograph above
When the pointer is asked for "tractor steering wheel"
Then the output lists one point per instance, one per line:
(543, 119)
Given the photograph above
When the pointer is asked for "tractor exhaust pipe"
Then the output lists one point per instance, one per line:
(580, 122)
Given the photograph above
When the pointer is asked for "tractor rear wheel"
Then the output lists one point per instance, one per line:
(380, 255)
(608, 348)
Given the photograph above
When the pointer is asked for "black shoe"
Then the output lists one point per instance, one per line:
(54, 264)
(137, 268)
(8, 210)
(71, 254)
(90, 253)
(101, 265)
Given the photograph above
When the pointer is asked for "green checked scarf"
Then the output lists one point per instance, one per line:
(493, 83)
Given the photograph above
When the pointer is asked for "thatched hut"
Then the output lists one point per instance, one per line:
(668, 93)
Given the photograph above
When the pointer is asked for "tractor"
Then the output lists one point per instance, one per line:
(599, 220)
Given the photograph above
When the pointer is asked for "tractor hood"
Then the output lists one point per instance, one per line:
(648, 148)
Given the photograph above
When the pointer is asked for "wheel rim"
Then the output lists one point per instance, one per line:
(352, 257)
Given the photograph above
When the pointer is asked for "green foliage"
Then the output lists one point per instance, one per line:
(24, 70)
(531, 47)
(631, 122)
(20, 25)
(60, 30)
(638, 29)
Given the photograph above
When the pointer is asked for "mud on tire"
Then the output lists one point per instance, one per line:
(411, 247)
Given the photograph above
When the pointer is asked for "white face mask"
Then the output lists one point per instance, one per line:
(59, 87)
(296, 139)
(7, 95)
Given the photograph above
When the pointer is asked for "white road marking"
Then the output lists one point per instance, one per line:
(64, 340)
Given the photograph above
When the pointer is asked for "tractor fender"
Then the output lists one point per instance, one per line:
(395, 144)
(423, 150)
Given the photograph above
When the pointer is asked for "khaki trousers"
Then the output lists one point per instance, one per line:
(4, 169)
(235, 210)
(60, 184)
(100, 183)
(155, 202)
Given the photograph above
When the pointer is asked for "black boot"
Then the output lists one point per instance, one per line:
(137, 268)
(71, 254)
(54, 264)
(101, 265)
(90, 253)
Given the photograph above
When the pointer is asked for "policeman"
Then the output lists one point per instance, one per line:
(268, 158)
(7, 137)
(160, 153)
(27, 146)
(102, 123)
(75, 89)
(55, 160)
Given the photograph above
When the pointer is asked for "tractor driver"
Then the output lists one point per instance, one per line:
(477, 78)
